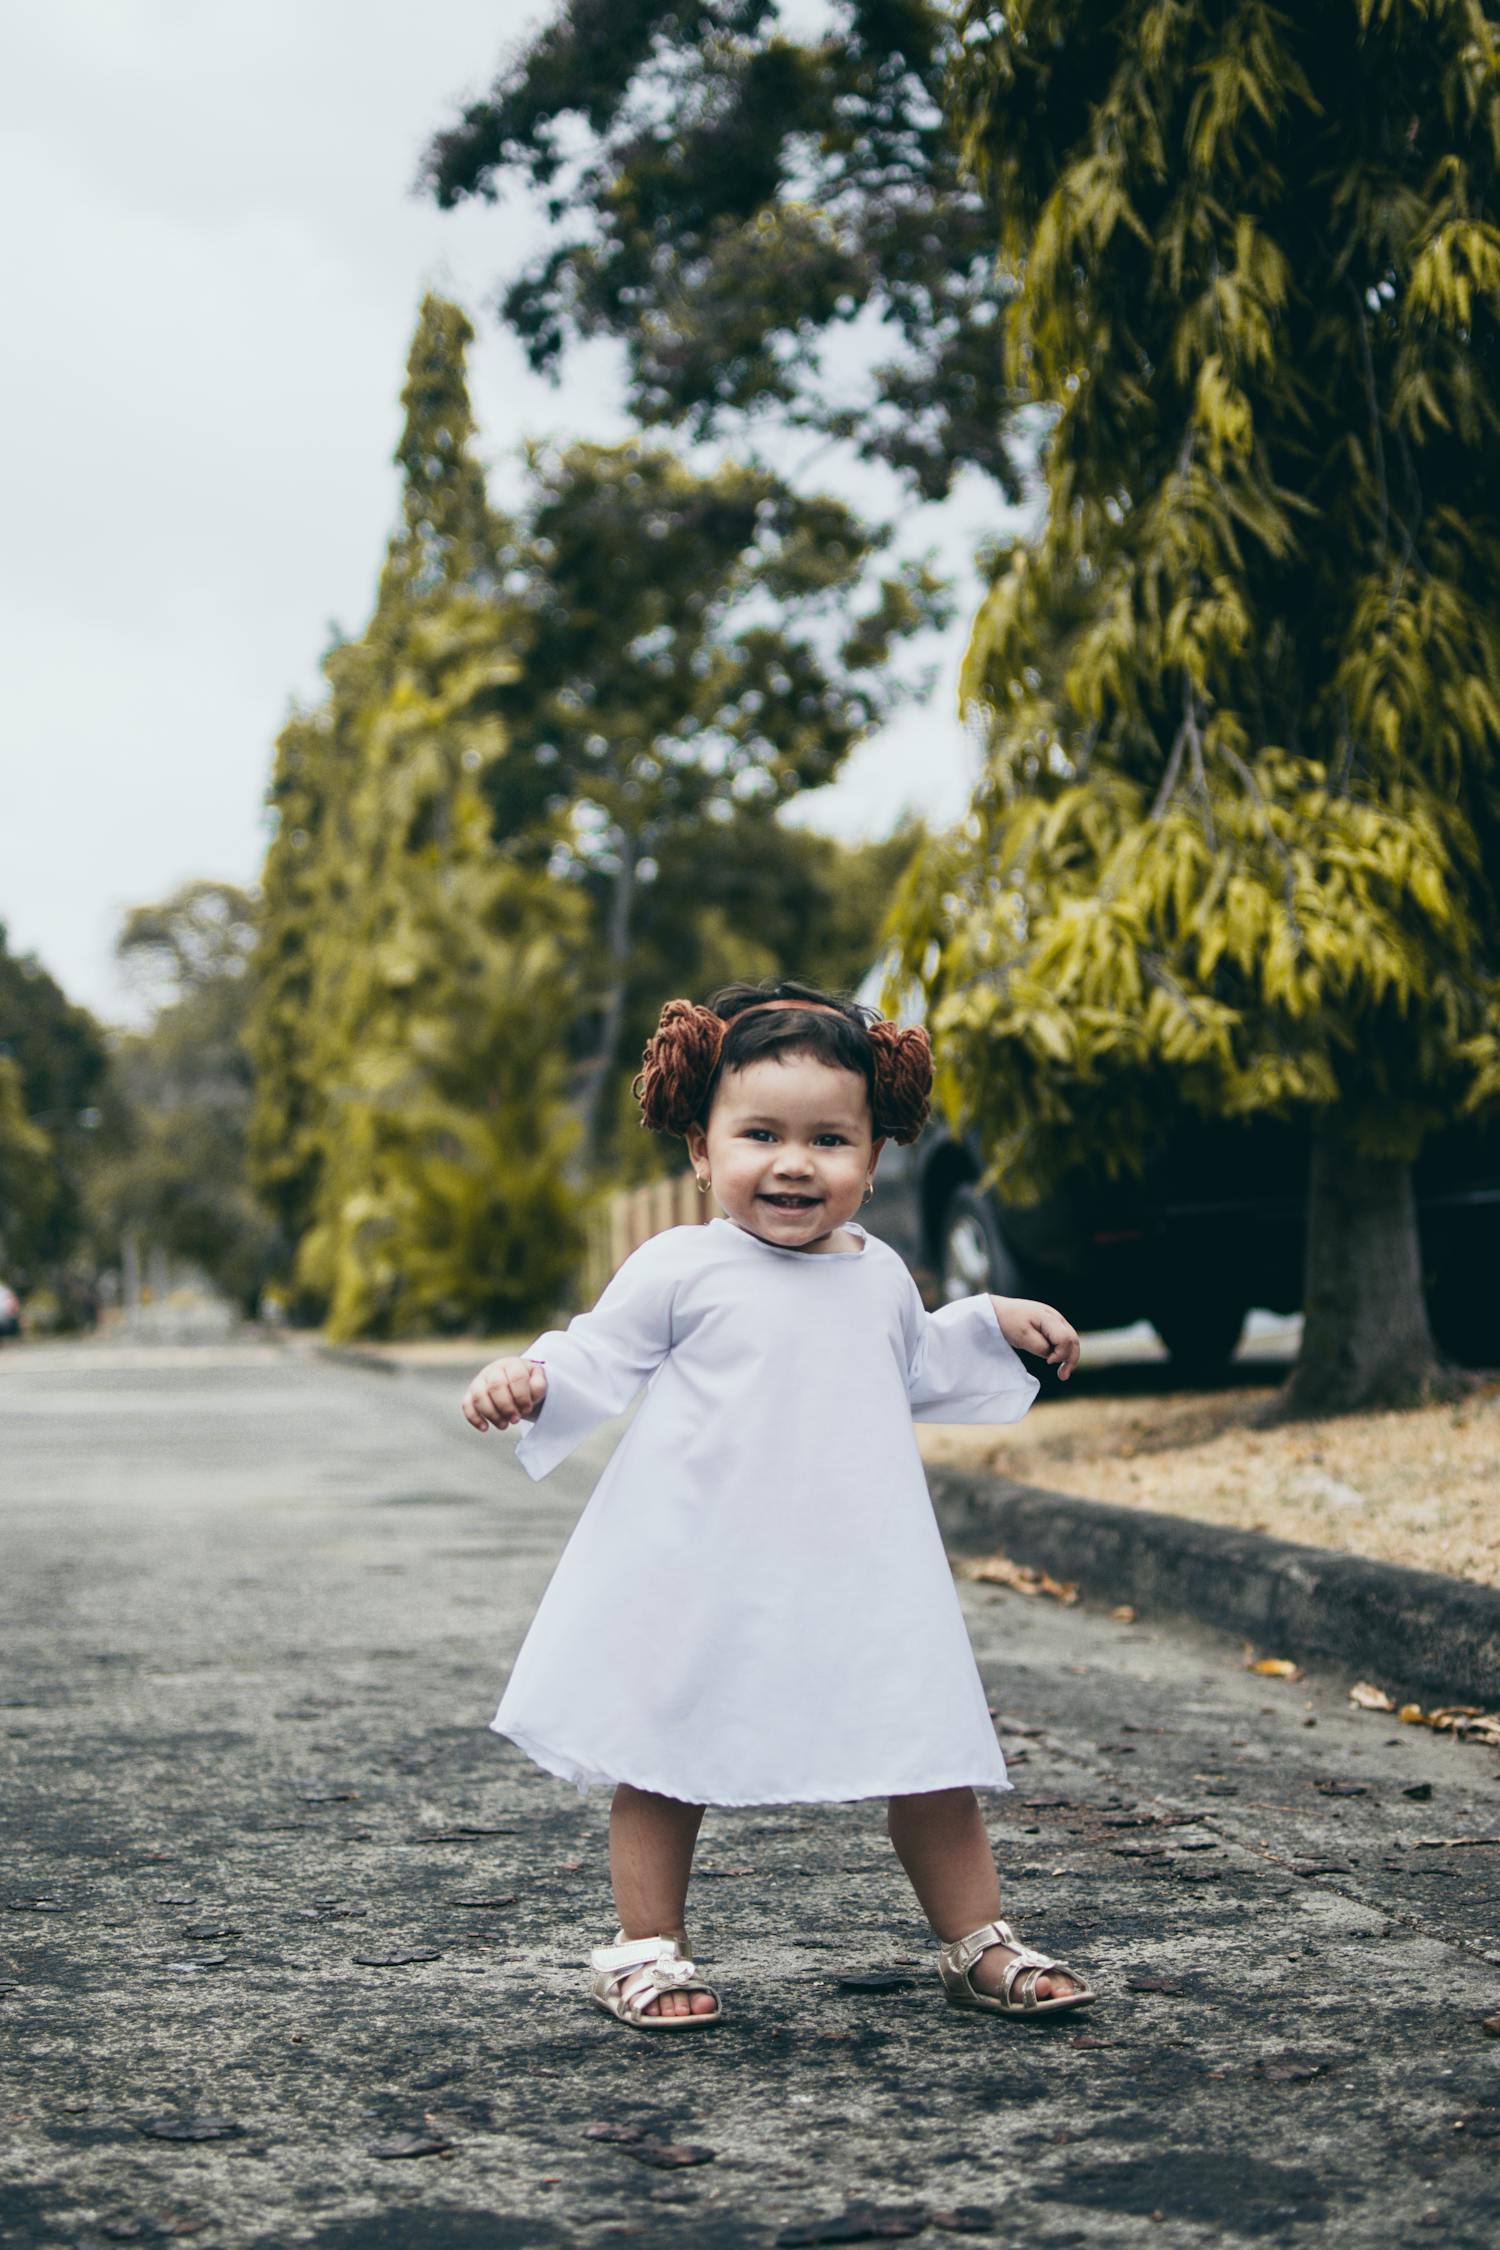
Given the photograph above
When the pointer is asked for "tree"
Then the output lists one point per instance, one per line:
(1238, 837)
(56, 1107)
(417, 980)
(687, 649)
(177, 1175)
(726, 196)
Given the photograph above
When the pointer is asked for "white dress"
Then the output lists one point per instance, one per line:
(755, 1607)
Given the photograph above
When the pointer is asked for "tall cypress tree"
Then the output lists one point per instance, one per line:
(416, 1139)
(1238, 836)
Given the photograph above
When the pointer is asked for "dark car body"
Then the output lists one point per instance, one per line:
(1214, 1227)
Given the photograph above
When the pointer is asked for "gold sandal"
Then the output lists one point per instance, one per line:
(1017, 1994)
(629, 1974)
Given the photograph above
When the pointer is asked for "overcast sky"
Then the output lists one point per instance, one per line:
(212, 269)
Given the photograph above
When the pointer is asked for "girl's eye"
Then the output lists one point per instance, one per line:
(752, 1130)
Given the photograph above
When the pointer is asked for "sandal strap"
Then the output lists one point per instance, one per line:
(965, 1951)
(636, 1950)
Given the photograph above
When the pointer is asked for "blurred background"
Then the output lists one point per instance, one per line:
(527, 512)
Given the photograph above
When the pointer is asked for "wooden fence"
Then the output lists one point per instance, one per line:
(631, 1216)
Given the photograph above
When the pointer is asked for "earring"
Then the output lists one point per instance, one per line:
(869, 1190)
(703, 1182)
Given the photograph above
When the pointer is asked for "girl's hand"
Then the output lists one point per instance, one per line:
(1041, 1329)
(506, 1392)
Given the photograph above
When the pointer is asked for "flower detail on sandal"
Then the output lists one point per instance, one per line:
(628, 1975)
(1018, 1981)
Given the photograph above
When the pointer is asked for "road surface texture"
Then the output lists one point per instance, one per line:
(278, 1905)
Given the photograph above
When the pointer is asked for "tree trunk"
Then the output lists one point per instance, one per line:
(1366, 1341)
(597, 1083)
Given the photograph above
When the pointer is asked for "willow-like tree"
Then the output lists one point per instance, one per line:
(1238, 839)
(418, 986)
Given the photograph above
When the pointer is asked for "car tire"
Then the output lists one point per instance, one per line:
(972, 1253)
(1201, 1335)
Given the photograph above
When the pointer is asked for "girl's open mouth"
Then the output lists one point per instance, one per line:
(792, 1202)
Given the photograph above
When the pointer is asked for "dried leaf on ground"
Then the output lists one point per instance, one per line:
(667, 2156)
(857, 2224)
(999, 1570)
(1368, 1697)
(1457, 1843)
(1464, 1721)
(189, 2128)
(409, 2144)
(1271, 1667)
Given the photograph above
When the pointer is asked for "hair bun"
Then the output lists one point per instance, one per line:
(676, 1065)
(903, 1079)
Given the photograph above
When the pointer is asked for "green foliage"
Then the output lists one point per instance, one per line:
(29, 1184)
(1238, 837)
(415, 981)
(691, 648)
(174, 1170)
(726, 195)
(54, 1101)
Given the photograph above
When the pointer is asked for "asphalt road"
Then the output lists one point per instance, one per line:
(257, 1611)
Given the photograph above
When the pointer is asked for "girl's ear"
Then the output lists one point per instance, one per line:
(697, 1142)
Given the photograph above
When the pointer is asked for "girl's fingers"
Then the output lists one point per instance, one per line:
(504, 1395)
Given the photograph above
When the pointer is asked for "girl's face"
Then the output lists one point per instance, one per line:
(788, 1148)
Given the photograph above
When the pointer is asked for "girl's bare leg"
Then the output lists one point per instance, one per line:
(940, 1840)
(651, 1843)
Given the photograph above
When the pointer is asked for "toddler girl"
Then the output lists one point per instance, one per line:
(755, 1607)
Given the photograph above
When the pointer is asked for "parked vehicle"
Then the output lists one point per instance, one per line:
(1216, 1226)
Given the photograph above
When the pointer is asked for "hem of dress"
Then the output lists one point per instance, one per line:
(584, 1778)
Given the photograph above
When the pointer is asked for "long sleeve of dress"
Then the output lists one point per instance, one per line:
(599, 1361)
(964, 1368)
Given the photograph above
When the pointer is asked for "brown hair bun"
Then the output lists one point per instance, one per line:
(679, 1060)
(903, 1079)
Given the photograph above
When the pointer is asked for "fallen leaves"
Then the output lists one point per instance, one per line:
(862, 2222)
(999, 1570)
(1457, 1843)
(398, 1960)
(407, 2145)
(1466, 1722)
(634, 2140)
(667, 2156)
(1271, 1667)
(188, 2128)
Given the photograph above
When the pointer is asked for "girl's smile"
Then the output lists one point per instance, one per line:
(788, 1149)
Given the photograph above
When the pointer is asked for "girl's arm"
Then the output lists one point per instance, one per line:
(1034, 1327)
(963, 1367)
(595, 1365)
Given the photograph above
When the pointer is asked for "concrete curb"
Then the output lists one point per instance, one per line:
(1415, 1628)
(350, 1355)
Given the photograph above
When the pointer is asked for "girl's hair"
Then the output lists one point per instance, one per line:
(693, 1046)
